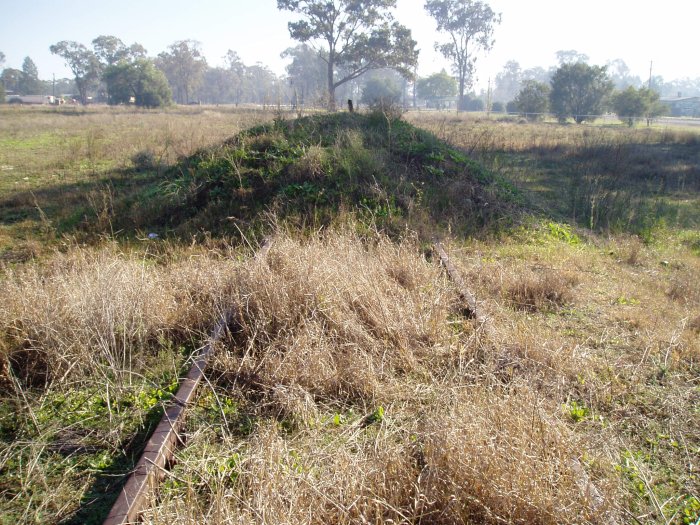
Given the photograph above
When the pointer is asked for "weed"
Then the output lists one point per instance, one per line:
(562, 232)
(576, 411)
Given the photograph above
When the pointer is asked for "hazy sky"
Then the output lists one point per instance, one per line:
(531, 31)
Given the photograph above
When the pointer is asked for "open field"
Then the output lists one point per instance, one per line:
(60, 169)
(351, 388)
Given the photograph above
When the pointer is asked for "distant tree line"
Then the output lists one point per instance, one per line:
(351, 50)
(582, 92)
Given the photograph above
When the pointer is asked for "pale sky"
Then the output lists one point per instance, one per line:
(531, 31)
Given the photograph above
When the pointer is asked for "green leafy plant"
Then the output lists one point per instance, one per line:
(576, 411)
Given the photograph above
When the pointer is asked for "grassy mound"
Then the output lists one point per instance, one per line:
(315, 171)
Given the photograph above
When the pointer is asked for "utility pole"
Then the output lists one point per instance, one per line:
(488, 99)
(651, 66)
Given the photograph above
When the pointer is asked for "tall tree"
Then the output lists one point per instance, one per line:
(183, 65)
(237, 73)
(621, 75)
(436, 87)
(469, 26)
(538, 73)
(110, 50)
(139, 79)
(82, 62)
(30, 83)
(352, 37)
(261, 85)
(306, 74)
(508, 82)
(2, 58)
(579, 91)
(571, 56)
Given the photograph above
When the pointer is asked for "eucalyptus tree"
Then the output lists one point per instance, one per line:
(508, 82)
(306, 74)
(110, 50)
(352, 37)
(183, 65)
(237, 75)
(469, 27)
(83, 62)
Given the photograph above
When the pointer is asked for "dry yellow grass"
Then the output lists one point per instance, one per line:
(371, 400)
(351, 388)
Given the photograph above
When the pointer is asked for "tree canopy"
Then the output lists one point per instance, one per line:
(354, 36)
(306, 73)
(139, 79)
(571, 56)
(381, 92)
(436, 86)
(29, 83)
(632, 104)
(508, 82)
(111, 50)
(83, 62)
(579, 91)
(533, 99)
(469, 26)
(183, 65)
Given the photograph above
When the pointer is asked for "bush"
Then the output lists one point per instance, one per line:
(532, 100)
(380, 93)
(144, 160)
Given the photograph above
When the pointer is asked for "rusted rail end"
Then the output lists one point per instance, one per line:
(471, 307)
(163, 442)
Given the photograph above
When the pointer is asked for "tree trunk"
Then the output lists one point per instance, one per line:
(82, 91)
(460, 106)
(331, 82)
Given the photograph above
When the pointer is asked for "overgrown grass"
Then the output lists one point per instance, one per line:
(92, 345)
(322, 170)
(351, 389)
(68, 169)
(609, 179)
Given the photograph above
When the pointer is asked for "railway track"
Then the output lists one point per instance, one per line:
(163, 443)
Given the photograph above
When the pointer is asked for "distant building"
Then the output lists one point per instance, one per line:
(683, 106)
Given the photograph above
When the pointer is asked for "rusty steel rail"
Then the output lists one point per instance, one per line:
(583, 481)
(472, 308)
(162, 444)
